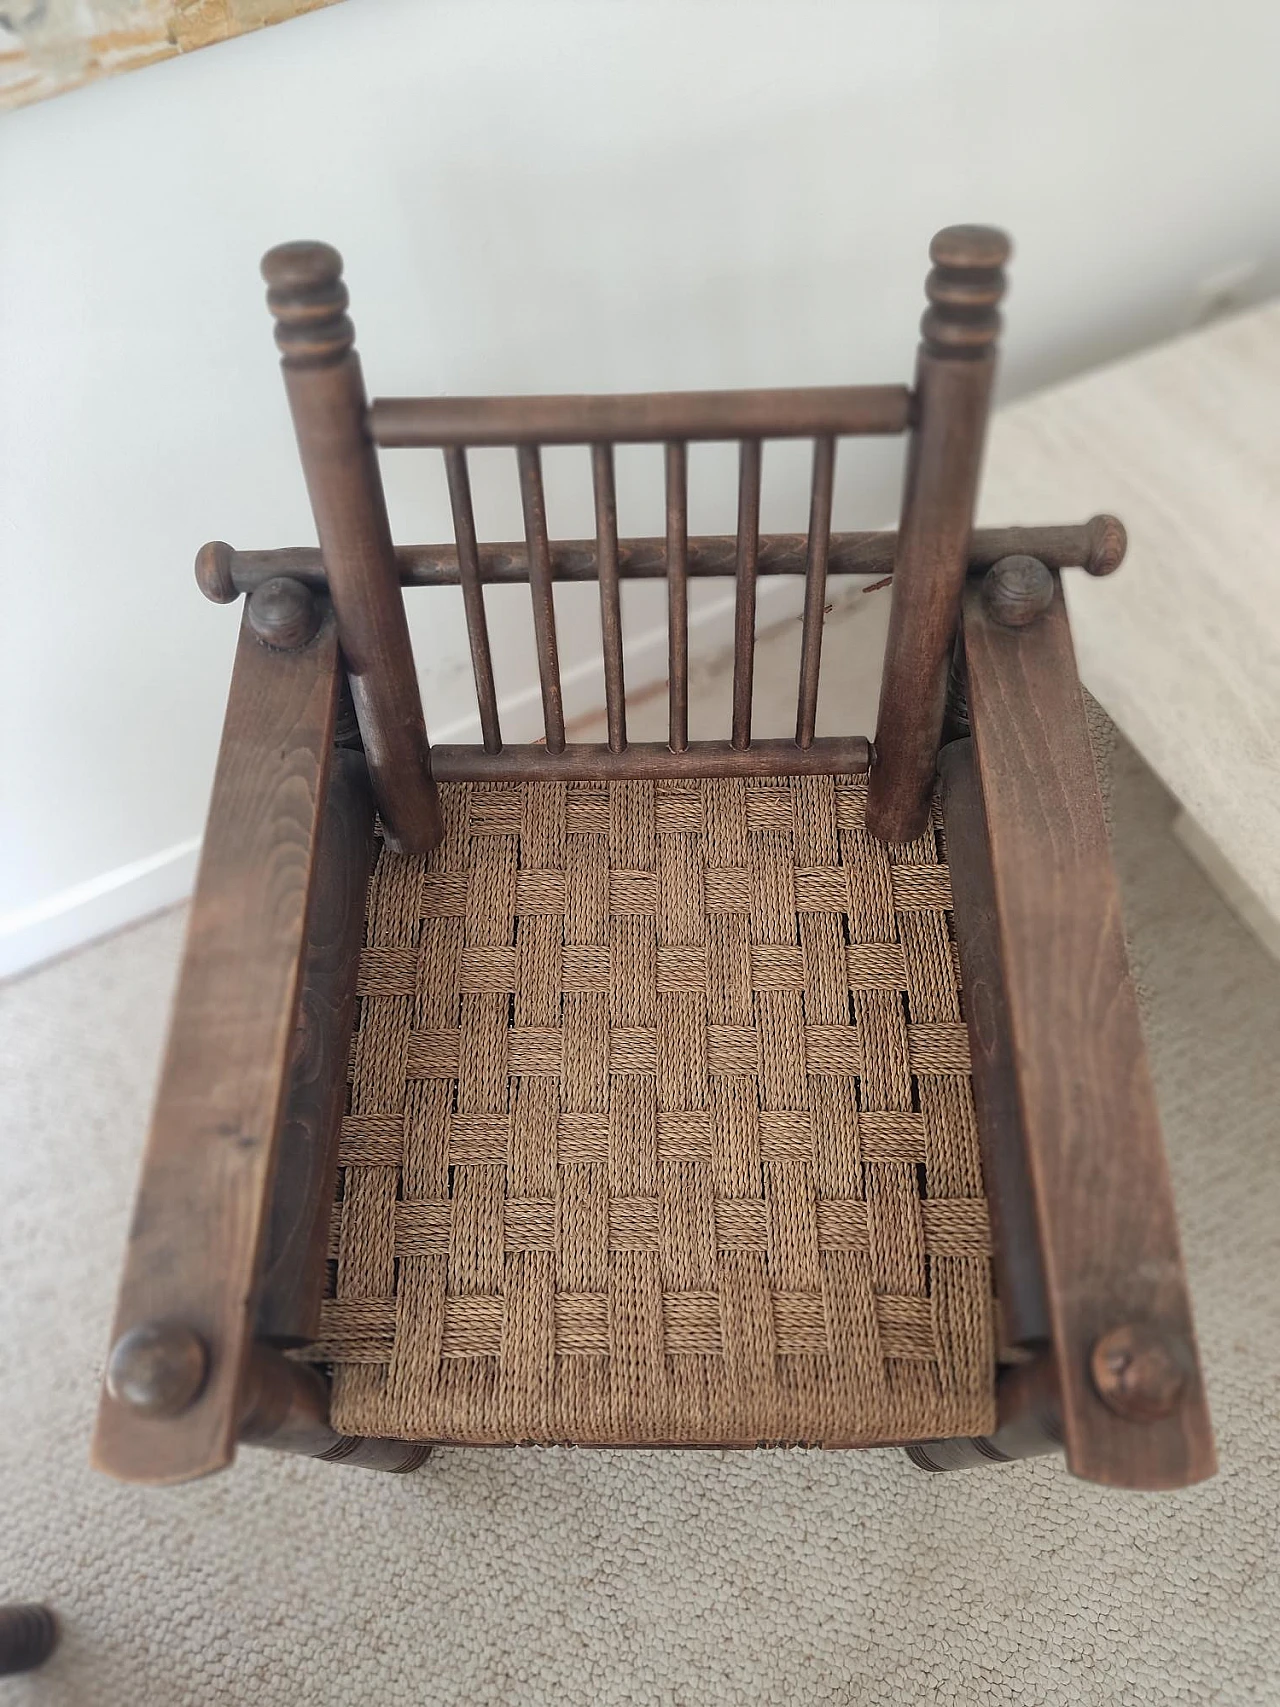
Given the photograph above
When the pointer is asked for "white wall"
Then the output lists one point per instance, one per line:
(529, 196)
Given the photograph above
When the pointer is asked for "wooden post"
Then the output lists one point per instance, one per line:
(297, 1235)
(954, 371)
(326, 395)
(1016, 1247)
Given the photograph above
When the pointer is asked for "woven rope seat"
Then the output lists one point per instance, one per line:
(660, 1129)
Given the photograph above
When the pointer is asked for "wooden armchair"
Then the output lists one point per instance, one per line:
(699, 1093)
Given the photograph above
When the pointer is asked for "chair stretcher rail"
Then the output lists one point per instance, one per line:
(584, 761)
(1096, 546)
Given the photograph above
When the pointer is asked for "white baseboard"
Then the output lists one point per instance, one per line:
(95, 908)
(86, 911)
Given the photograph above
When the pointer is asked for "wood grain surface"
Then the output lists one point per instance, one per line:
(1096, 545)
(1015, 1242)
(1104, 1205)
(196, 1237)
(297, 1240)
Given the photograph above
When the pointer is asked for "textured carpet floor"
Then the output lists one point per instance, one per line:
(562, 1577)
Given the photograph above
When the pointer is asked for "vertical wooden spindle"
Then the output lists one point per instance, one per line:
(464, 531)
(606, 498)
(326, 396)
(544, 612)
(744, 618)
(954, 371)
(815, 587)
(678, 594)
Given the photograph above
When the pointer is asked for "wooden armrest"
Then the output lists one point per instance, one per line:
(195, 1243)
(1133, 1404)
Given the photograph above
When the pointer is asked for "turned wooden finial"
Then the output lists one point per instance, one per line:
(964, 290)
(306, 294)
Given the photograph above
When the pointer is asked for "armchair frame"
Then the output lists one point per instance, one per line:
(225, 1263)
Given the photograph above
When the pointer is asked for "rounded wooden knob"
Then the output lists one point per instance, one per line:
(964, 290)
(213, 572)
(157, 1368)
(1108, 543)
(283, 613)
(1016, 591)
(1138, 1372)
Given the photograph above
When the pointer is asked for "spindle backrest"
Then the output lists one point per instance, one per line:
(338, 433)
(526, 423)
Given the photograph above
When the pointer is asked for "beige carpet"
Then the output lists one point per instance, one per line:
(562, 1577)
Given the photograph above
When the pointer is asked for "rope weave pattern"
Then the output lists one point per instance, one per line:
(661, 1129)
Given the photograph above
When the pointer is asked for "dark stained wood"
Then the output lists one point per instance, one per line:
(195, 1242)
(606, 502)
(157, 1368)
(28, 1635)
(215, 572)
(1017, 591)
(954, 371)
(464, 530)
(286, 1409)
(297, 1237)
(1139, 1371)
(815, 587)
(584, 761)
(544, 610)
(677, 473)
(803, 413)
(1104, 1208)
(327, 399)
(283, 613)
(1015, 1241)
(1029, 1424)
(871, 554)
(744, 608)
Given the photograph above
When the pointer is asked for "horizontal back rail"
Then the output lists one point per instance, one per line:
(642, 418)
(588, 761)
(1096, 546)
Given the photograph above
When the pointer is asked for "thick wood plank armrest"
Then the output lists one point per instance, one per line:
(170, 1409)
(1133, 1404)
